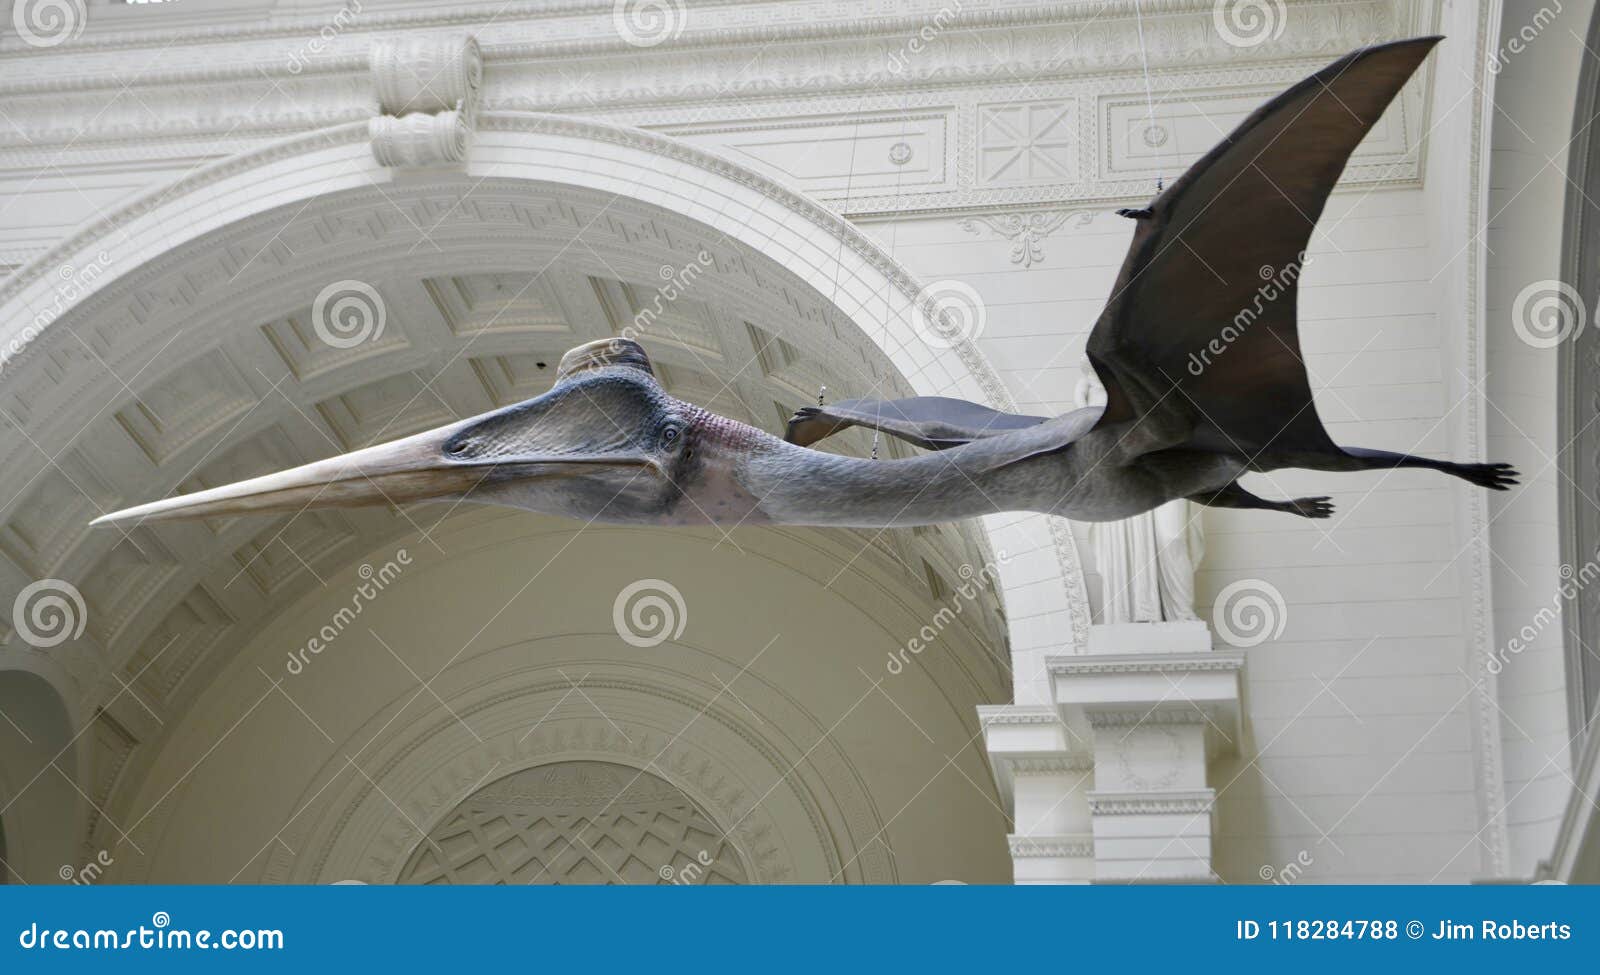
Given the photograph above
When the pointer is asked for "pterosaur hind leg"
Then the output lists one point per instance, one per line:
(1498, 477)
(1234, 496)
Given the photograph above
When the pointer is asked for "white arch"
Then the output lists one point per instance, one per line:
(1041, 578)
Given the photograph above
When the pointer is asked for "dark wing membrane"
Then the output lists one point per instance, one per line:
(1203, 317)
(934, 422)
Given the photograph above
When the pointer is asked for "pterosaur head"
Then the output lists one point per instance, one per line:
(605, 443)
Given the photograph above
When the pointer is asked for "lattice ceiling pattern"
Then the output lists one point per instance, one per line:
(576, 823)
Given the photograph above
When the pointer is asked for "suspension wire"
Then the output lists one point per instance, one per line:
(894, 239)
(1149, 98)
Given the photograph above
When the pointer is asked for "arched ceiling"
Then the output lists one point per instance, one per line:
(143, 391)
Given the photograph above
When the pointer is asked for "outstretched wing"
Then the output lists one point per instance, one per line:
(933, 422)
(1203, 318)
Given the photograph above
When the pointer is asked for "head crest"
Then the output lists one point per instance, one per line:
(601, 353)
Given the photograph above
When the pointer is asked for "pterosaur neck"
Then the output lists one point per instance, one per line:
(800, 486)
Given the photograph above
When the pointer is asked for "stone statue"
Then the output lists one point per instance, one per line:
(1147, 562)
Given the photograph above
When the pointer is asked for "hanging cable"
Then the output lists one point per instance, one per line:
(1149, 97)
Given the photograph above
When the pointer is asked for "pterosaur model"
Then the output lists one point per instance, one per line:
(1199, 357)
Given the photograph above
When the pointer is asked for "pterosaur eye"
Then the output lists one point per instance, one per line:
(670, 434)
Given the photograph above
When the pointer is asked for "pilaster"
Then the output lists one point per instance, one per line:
(1108, 782)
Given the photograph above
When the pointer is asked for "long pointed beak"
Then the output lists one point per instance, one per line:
(411, 469)
(416, 468)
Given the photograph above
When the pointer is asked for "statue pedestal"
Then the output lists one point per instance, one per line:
(1108, 782)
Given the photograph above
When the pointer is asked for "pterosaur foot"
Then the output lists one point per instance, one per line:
(1136, 213)
(1321, 507)
(1234, 496)
(1496, 477)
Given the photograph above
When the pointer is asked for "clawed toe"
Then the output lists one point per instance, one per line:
(1321, 507)
(1495, 477)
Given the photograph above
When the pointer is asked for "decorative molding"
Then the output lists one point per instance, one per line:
(428, 89)
(1193, 802)
(427, 73)
(841, 58)
(1026, 231)
(1051, 846)
(418, 139)
(1017, 714)
(1163, 663)
(1178, 712)
(1028, 763)
(1492, 800)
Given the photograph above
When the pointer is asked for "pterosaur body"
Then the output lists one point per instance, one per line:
(1198, 351)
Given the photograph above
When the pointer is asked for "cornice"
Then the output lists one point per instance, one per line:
(1026, 763)
(1051, 846)
(1166, 663)
(587, 27)
(1017, 714)
(1160, 714)
(1164, 802)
